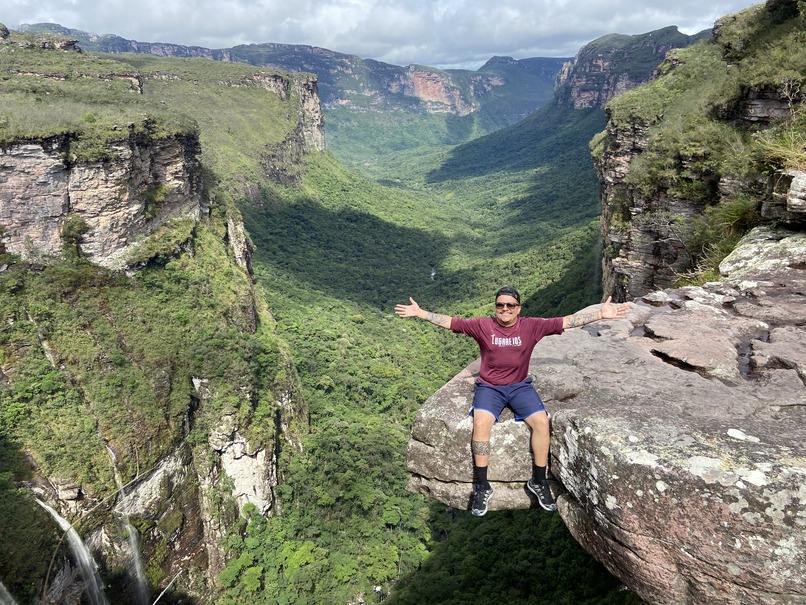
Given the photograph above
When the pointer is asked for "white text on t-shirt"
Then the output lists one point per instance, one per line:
(498, 341)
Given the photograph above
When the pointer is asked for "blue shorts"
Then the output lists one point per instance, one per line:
(521, 397)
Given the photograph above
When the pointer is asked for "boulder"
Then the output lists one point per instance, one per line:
(677, 451)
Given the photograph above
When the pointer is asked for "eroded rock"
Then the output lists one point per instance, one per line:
(677, 435)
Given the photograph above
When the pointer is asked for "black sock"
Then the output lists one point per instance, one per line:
(538, 473)
(480, 475)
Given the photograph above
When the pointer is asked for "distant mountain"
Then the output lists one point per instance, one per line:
(616, 63)
(505, 89)
(373, 109)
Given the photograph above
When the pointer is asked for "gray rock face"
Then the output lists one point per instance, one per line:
(677, 435)
(115, 198)
(787, 202)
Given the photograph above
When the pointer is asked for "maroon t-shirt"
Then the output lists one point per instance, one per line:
(505, 352)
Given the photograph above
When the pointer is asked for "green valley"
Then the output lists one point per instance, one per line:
(280, 340)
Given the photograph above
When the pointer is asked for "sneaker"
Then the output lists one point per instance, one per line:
(543, 493)
(480, 499)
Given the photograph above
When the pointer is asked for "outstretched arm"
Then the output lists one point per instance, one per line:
(608, 310)
(414, 310)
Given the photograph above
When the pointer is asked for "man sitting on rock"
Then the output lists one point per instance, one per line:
(506, 342)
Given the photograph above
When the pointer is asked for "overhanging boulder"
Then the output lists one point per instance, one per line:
(677, 435)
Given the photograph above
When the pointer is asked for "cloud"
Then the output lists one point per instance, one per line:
(430, 32)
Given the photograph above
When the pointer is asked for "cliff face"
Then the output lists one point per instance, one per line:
(657, 173)
(179, 434)
(438, 92)
(644, 242)
(123, 199)
(614, 64)
(676, 435)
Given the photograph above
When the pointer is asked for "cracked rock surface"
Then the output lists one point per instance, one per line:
(678, 433)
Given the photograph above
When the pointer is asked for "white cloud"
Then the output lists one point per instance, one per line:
(430, 32)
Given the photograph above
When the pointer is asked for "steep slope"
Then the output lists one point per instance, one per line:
(688, 161)
(168, 377)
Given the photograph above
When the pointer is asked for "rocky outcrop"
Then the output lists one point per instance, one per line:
(787, 200)
(283, 162)
(123, 199)
(311, 116)
(613, 64)
(676, 435)
(644, 243)
(252, 470)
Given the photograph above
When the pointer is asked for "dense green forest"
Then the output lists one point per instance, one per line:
(335, 257)
(334, 253)
(359, 232)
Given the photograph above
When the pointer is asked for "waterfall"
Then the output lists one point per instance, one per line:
(5, 596)
(93, 587)
(143, 594)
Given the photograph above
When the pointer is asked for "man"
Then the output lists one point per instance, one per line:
(506, 342)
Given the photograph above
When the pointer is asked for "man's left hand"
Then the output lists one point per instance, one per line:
(610, 310)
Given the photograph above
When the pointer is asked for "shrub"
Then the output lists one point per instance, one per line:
(715, 233)
(72, 234)
(784, 145)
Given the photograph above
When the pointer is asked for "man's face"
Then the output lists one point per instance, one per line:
(507, 310)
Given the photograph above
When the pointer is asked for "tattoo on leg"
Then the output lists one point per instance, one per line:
(480, 448)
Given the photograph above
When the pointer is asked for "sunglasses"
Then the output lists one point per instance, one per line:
(508, 305)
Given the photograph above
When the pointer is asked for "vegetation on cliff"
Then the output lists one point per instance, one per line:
(93, 361)
(82, 103)
(701, 130)
(333, 256)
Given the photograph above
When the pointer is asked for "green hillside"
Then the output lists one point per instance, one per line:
(333, 256)
(365, 118)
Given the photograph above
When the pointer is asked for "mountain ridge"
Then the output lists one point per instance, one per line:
(334, 68)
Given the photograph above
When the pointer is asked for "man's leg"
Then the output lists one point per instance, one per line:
(483, 422)
(538, 484)
(539, 423)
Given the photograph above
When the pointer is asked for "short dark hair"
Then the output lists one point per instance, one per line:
(508, 291)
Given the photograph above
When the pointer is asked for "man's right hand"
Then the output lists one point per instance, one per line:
(411, 310)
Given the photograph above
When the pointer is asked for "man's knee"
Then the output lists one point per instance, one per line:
(538, 422)
(483, 418)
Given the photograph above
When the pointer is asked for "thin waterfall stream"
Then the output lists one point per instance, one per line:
(5, 596)
(93, 586)
(143, 593)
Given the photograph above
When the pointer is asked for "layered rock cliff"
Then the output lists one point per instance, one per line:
(125, 197)
(676, 435)
(126, 286)
(663, 160)
(614, 64)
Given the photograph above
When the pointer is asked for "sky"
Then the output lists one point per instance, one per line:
(437, 33)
